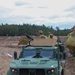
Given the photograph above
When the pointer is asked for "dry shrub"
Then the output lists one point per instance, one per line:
(23, 40)
(70, 43)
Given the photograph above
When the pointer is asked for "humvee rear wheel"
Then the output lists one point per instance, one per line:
(62, 72)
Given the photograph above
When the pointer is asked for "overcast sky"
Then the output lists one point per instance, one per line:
(54, 13)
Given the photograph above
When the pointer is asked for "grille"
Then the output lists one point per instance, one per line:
(31, 72)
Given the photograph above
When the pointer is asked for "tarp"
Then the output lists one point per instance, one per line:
(38, 41)
(44, 42)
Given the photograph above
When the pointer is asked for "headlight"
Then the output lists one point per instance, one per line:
(14, 70)
(50, 71)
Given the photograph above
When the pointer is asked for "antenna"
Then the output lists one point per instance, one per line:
(58, 51)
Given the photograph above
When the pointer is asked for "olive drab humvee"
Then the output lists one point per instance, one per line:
(36, 60)
(41, 59)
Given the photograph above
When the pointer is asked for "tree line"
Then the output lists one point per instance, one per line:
(19, 30)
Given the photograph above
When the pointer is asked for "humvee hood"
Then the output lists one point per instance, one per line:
(34, 63)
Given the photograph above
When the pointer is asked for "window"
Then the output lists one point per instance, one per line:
(43, 53)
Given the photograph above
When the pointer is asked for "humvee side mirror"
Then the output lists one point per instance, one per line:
(64, 55)
(61, 48)
(15, 55)
(60, 56)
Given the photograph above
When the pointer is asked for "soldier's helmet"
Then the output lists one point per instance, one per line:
(40, 32)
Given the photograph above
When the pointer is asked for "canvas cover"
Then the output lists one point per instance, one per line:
(44, 41)
(38, 41)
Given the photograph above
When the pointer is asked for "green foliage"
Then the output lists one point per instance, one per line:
(18, 30)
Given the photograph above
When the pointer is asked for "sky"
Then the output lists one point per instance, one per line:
(56, 13)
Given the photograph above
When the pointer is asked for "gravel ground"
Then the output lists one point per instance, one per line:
(6, 55)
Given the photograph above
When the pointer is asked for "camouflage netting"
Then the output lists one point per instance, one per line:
(43, 36)
(71, 43)
(23, 40)
(40, 32)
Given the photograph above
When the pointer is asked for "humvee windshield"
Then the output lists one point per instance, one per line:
(34, 52)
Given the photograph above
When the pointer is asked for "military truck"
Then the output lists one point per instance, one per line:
(37, 60)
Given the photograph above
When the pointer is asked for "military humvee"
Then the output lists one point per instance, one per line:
(37, 60)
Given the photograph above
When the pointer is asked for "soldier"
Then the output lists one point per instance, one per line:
(70, 43)
(50, 35)
(37, 55)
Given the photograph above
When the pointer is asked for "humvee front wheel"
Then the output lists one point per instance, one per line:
(62, 72)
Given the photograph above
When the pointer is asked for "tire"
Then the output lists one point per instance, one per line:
(62, 72)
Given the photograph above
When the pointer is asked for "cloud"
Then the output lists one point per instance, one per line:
(20, 3)
(16, 19)
(5, 11)
(53, 17)
(70, 15)
(31, 20)
(28, 17)
(48, 12)
(66, 25)
(61, 25)
(42, 7)
(71, 9)
(29, 7)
